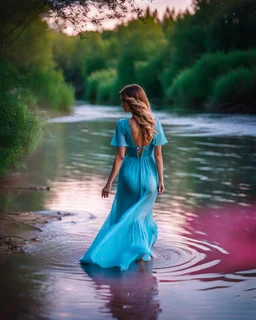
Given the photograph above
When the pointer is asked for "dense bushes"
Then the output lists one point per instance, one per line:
(32, 54)
(149, 76)
(28, 78)
(100, 86)
(20, 125)
(194, 86)
(235, 89)
(50, 88)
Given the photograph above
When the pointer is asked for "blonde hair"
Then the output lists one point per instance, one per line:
(137, 99)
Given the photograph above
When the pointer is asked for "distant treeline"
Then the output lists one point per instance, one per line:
(196, 59)
(203, 60)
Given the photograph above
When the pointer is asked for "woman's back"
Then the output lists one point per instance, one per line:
(132, 138)
(137, 134)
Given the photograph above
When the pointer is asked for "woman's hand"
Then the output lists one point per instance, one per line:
(161, 187)
(106, 190)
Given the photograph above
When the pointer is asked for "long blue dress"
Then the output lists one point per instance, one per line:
(129, 231)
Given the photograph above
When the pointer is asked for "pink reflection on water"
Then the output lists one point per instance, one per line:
(231, 234)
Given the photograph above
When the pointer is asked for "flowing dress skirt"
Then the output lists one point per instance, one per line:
(130, 231)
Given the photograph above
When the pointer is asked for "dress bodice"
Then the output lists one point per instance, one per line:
(133, 151)
(123, 137)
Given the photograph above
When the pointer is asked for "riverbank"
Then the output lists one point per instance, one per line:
(18, 229)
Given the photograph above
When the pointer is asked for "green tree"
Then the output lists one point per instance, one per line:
(20, 124)
(138, 41)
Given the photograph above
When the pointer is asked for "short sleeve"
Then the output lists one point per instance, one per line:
(119, 139)
(159, 137)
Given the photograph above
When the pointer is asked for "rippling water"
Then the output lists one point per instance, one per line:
(205, 264)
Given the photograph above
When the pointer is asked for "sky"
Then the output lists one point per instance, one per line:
(160, 5)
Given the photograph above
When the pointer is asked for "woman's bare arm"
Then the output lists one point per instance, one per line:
(160, 168)
(115, 169)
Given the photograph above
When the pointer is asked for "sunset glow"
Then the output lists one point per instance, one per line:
(159, 5)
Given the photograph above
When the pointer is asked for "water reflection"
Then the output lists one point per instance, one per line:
(129, 295)
(25, 290)
(198, 171)
(206, 218)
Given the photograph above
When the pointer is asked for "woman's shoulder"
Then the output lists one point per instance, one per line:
(122, 120)
(120, 124)
(155, 116)
(156, 119)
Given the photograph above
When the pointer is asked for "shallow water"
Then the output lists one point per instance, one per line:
(205, 264)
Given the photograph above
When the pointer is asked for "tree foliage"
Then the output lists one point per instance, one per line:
(193, 87)
(236, 88)
(20, 124)
(16, 15)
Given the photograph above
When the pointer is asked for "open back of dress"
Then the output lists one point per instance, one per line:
(138, 141)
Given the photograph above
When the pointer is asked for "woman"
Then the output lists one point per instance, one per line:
(130, 231)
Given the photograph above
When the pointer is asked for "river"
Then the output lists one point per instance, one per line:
(205, 264)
